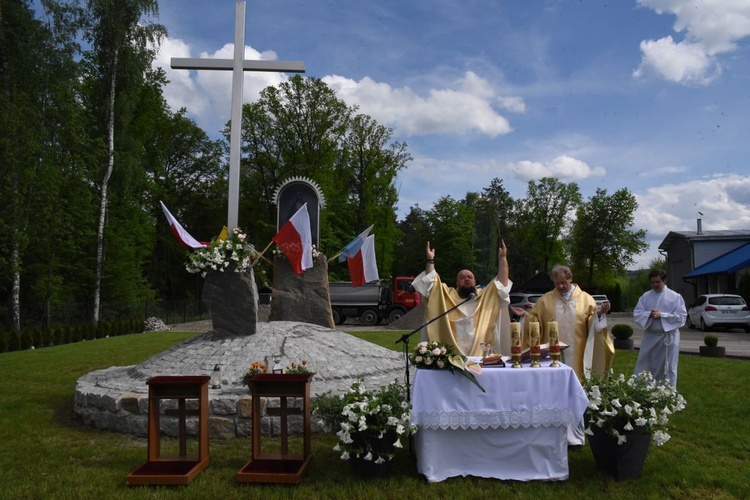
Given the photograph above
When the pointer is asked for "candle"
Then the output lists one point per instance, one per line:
(534, 333)
(553, 335)
(554, 344)
(515, 338)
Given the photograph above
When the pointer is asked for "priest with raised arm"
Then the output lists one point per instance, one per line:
(483, 318)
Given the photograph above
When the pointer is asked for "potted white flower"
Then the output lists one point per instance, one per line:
(370, 424)
(624, 415)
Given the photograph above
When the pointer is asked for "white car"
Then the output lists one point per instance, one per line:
(523, 301)
(600, 299)
(719, 310)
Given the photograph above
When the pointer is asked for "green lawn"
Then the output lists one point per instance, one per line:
(46, 454)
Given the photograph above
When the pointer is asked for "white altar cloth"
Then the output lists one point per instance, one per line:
(516, 430)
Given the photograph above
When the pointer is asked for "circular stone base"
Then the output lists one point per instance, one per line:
(116, 398)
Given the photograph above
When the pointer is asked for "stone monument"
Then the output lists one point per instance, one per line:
(116, 398)
(232, 302)
(302, 298)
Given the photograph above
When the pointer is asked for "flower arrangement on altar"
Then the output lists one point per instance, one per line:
(256, 368)
(369, 423)
(437, 355)
(234, 249)
(619, 405)
(432, 355)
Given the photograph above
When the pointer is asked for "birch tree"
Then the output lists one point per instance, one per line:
(122, 48)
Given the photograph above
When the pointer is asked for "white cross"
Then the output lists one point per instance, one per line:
(238, 66)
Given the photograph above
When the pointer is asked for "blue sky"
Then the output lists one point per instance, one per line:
(650, 95)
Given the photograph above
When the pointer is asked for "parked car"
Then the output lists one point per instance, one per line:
(524, 301)
(600, 299)
(719, 310)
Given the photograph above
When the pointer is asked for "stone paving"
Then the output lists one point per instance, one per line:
(116, 398)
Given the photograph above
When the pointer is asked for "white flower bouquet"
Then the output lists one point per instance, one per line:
(437, 355)
(620, 405)
(234, 249)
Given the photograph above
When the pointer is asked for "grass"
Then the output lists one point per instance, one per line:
(46, 454)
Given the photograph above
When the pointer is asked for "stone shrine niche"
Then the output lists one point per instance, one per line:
(294, 193)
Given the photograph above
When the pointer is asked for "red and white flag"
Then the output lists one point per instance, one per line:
(363, 267)
(295, 240)
(179, 232)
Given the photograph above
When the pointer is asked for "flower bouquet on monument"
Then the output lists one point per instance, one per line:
(232, 249)
(624, 415)
(369, 424)
(439, 356)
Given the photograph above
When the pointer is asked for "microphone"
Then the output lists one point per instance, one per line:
(405, 339)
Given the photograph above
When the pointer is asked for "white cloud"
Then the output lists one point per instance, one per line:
(207, 94)
(722, 199)
(663, 171)
(464, 109)
(563, 167)
(677, 62)
(711, 27)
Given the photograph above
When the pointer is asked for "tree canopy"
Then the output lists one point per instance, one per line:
(89, 146)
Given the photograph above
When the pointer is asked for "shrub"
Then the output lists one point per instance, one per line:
(622, 331)
(711, 340)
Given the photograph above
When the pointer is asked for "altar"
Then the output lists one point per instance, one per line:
(517, 430)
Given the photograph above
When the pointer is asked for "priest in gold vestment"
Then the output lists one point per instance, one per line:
(481, 319)
(581, 325)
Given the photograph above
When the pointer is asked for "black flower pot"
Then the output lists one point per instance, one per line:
(368, 468)
(623, 344)
(624, 461)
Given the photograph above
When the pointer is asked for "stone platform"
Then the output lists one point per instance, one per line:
(116, 398)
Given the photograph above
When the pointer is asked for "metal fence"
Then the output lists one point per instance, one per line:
(62, 314)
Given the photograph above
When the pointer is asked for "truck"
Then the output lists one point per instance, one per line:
(373, 302)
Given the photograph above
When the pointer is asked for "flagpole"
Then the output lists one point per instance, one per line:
(260, 255)
(339, 253)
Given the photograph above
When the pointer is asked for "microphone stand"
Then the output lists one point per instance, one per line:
(405, 339)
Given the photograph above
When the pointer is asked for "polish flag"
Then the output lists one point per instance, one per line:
(186, 241)
(295, 240)
(363, 268)
(351, 249)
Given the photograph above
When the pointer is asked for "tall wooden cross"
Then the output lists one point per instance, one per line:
(238, 66)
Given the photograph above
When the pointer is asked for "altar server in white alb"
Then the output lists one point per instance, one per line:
(482, 319)
(661, 313)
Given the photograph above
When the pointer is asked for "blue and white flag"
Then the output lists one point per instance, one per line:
(363, 267)
(351, 249)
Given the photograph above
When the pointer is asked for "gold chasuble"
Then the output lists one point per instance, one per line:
(485, 318)
(576, 323)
